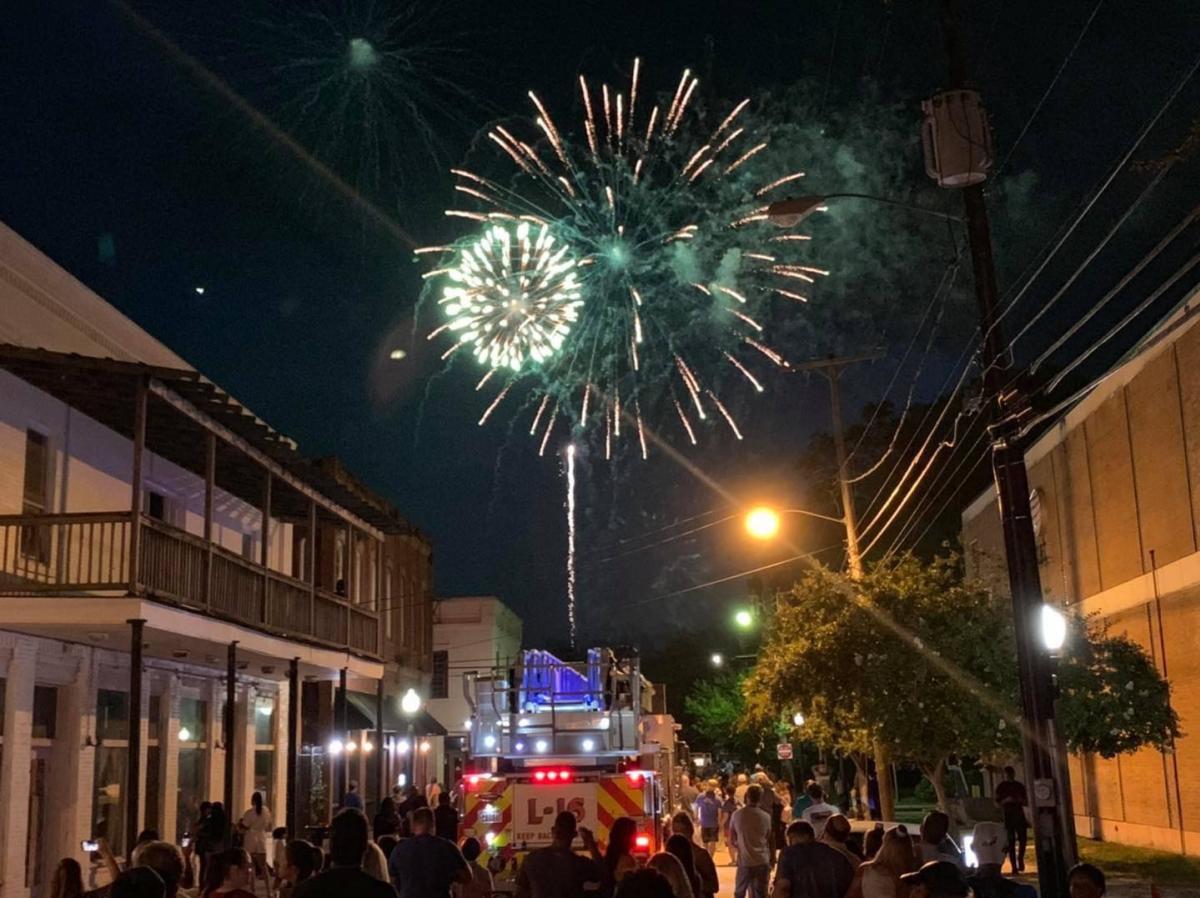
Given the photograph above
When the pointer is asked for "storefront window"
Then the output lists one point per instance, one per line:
(191, 789)
(264, 773)
(112, 714)
(153, 759)
(264, 722)
(193, 720)
(108, 806)
(45, 711)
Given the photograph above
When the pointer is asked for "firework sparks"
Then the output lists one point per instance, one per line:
(571, 541)
(641, 271)
(514, 295)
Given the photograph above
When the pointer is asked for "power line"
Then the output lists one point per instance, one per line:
(1049, 89)
(1120, 325)
(1064, 235)
(949, 276)
(1090, 257)
(947, 478)
(1117, 288)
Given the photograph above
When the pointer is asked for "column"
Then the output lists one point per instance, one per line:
(71, 778)
(216, 736)
(14, 772)
(292, 747)
(229, 730)
(279, 767)
(243, 781)
(133, 779)
(168, 741)
(144, 773)
(378, 758)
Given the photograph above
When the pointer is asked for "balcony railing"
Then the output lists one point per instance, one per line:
(89, 553)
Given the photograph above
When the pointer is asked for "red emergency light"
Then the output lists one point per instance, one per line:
(642, 842)
(637, 776)
(564, 775)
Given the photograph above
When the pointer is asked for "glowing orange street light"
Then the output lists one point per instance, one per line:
(762, 522)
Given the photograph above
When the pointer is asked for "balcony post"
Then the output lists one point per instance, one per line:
(133, 767)
(265, 553)
(135, 483)
(381, 788)
(229, 725)
(341, 766)
(293, 745)
(210, 476)
(312, 568)
(379, 609)
(351, 584)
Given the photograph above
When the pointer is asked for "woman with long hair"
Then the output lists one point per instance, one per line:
(230, 875)
(387, 820)
(68, 879)
(681, 847)
(256, 826)
(669, 866)
(618, 859)
(880, 876)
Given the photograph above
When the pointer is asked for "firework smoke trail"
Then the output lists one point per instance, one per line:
(662, 223)
(571, 541)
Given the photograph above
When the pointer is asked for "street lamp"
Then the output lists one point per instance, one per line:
(790, 212)
(410, 704)
(762, 522)
(717, 659)
(1054, 629)
(798, 719)
(744, 618)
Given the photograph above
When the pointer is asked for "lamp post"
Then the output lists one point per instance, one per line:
(410, 704)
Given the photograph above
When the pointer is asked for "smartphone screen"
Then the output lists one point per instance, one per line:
(185, 842)
(88, 845)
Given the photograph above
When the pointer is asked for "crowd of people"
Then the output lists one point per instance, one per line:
(782, 846)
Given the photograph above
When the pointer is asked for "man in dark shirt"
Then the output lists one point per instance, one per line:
(812, 870)
(347, 843)
(557, 871)
(1010, 795)
(425, 866)
(445, 818)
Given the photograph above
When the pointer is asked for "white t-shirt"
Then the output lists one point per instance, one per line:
(817, 814)
(752, 826)
(258, 828)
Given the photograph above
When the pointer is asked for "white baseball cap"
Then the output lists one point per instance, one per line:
(988, 843)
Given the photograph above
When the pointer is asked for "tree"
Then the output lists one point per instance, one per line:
(717, 709)
(915, 658)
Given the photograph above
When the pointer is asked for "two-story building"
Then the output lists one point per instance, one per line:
(187, 604)
(1115, 487)
(470, 633)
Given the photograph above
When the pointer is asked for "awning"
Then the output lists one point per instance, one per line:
(362, 704)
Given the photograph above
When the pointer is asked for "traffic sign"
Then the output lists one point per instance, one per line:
(783, 751)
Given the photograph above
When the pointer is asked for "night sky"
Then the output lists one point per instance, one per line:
(138, 177)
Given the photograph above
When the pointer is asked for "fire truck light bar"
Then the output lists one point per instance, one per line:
(553, 776)
(642, 841)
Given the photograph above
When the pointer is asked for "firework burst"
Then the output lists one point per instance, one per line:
(679, 276)
(513, 295)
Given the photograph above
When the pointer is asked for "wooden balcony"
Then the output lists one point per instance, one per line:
(71, 554)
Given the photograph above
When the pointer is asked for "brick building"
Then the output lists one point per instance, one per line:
(185, 600)
(1116, 496)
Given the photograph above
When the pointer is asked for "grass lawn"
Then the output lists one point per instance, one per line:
(1145, 863)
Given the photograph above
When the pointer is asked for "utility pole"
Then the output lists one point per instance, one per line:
(1054, 831)
(832, 369)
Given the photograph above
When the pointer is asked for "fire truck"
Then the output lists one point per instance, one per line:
(548, 735)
